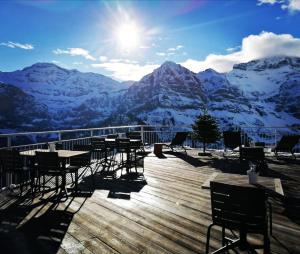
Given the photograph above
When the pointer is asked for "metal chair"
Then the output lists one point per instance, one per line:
(12, 163)
(80, 161)
(238, 208)
(232, 140)
(287, 144)
(178, 141)
(49, 164)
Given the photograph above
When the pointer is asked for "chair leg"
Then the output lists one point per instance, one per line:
(266, 244)
(270, 218)
(208, 238)
(223, 236)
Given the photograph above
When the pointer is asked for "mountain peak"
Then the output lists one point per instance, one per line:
(273, 62)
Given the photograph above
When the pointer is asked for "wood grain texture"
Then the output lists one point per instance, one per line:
(168, 212)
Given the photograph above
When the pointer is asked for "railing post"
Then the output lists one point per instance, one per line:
(59, 136)
(92, 133)
(8, 141)
(142, 133)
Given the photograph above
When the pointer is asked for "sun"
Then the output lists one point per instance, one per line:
(128, 36)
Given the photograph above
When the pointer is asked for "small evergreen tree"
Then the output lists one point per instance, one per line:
(205, 129)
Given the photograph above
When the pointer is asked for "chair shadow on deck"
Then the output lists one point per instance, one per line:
(120, 187)
(195, 162)
(33, 228)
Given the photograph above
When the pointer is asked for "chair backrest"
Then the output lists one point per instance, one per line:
(252, 153)
(98, 142)
(236, 207)
(59, 146)
(134, 135)
(82, 147)
(179, 139)
(48, 162)
(11, 160)
(112, 135)
(122, 143)
(232, 139)
(287, 143)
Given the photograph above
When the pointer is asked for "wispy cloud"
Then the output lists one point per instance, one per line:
(126, 69)
(103, 58)
(176, 48)
(11, 44)
(77, 63)
(260, 2)
(265, 44)
(160, 54)
(233, 49)
(290, 5)
(75, 52)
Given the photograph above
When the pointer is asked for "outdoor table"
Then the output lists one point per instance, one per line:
(63, 154)
(112, 144)
(270, 184)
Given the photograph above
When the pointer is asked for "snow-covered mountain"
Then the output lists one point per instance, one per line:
(72, 98)
(21, 110)
(171, 94)
(264, 92)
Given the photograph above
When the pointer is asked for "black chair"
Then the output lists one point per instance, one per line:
(123, 147)
(178, 141)
(112, 136)
(136, 135)
(238, 208)
(232, 140)
(12, 163)
(59, 146)
(49, 164)
(80, 161)
(287, 144)
(98, 150)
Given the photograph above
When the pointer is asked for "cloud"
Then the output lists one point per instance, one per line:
(290, 5)
(126, 71)
(77, 63)
(55, 62)
(176, 48)
(75, 52)
(103, 58)
(233, 49)
(11, 44)
(265, 44)
(160, 54)
(260, 2)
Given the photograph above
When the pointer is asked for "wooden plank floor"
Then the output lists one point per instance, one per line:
(167, 212)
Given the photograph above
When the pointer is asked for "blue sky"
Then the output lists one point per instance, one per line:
(128, 39)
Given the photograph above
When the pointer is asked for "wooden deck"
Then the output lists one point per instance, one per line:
(168, 212)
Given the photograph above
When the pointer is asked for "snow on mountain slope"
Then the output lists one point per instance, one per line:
(263, 92)
(259, 93)
(21, 111)
(169, 95)
(73, 98)
(265, 76)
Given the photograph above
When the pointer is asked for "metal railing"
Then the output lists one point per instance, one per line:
(149, 134)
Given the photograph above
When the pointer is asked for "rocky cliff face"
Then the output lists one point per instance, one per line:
(21, 111)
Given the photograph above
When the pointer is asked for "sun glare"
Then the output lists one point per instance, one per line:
(128, 36)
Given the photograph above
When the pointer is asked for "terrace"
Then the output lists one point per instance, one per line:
(166, 211)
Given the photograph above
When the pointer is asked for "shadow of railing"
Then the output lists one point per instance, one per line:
(33, 228)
